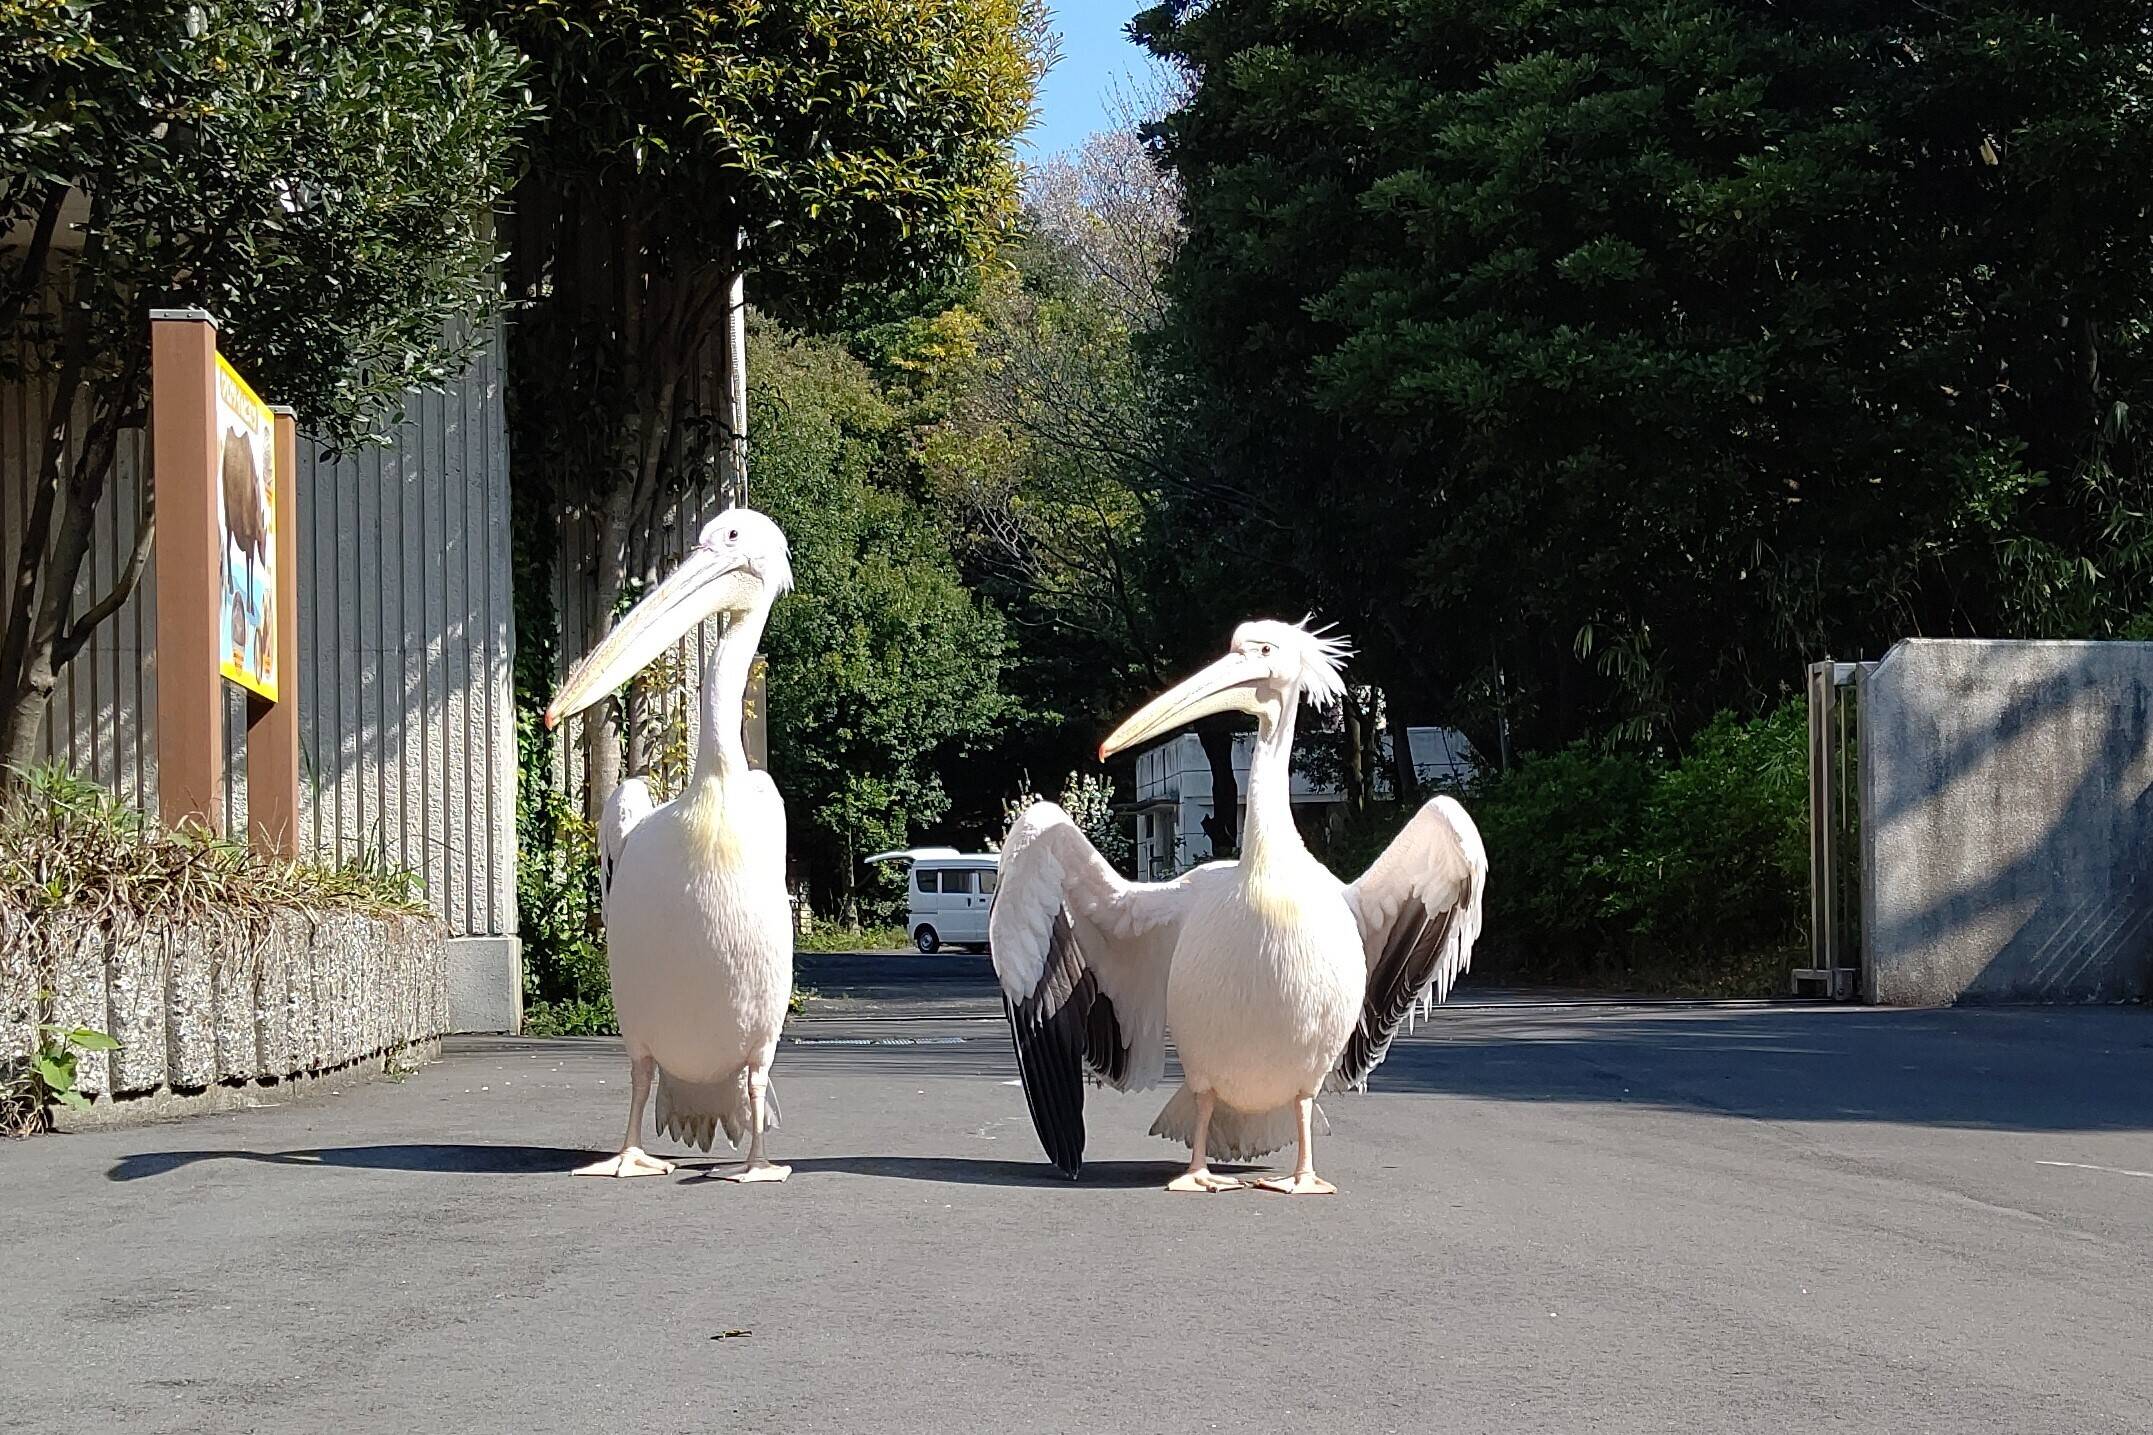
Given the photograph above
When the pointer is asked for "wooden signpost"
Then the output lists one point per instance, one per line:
(224, 464)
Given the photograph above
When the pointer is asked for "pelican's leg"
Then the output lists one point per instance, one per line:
(1304, 1181)
(1198, 1177)
(758, 1167)
(632, 1161)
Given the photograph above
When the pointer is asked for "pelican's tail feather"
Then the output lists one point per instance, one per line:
(693, 1112)
(1235, 1135)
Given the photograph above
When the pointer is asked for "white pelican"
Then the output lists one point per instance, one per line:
(698, 929)
(1278, 980)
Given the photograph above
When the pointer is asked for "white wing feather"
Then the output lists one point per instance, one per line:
(1082, 954)
(1420, 909)
(630, 804)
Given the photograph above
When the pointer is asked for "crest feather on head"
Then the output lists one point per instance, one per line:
(1323, 663)
(1322, 652)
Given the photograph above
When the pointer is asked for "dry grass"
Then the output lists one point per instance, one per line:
(69, 848)
(67, 844)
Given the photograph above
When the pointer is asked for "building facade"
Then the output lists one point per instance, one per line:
(1173, 792)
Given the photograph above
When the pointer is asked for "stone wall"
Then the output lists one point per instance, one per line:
(195, 1007)
(2007, 822)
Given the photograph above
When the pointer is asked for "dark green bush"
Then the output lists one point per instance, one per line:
(1551, 825)
(1651, 874)
(1639, 873)
(1721, 862)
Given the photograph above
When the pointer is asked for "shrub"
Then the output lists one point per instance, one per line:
(1551, 825)
(1686, 875)
(1721, 861)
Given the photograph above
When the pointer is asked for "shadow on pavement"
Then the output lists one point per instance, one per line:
(457, 1159)
(447, 1157)
(1994, 1068)
(965, 1171)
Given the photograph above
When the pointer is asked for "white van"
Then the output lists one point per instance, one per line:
(948, 897)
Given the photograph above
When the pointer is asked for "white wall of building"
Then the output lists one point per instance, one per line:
(1173, 791)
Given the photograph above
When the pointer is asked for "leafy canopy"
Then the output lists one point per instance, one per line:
(318, 174)
(1649, 347)
(884, 669)
(854, 142)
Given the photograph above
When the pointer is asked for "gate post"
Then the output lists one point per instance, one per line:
(1834, 969)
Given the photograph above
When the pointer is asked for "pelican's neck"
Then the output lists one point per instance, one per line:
(720, 755)
(1269, 834)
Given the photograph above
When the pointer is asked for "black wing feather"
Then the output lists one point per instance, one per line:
(1065, 1027)
(1408, 961)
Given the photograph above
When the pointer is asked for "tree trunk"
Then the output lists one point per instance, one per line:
(40, 640)
(1403, 772)
(1223, 826)
(1355, 772)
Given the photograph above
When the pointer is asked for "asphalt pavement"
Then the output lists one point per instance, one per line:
(1567, 1215)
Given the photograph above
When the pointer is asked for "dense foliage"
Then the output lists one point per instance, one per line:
(1612, 868)
(318, 174)
(1634, 872)
(1640, 350)
(884, 668)
(833, 152)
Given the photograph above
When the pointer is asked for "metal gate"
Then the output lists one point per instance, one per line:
(1834, 969)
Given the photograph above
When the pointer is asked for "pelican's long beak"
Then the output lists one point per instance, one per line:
(691, 594)
(1227, 686)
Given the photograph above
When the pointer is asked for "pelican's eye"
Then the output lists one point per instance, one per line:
(732, 535)
(1263, 650)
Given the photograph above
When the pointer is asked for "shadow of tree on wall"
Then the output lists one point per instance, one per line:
(1974, 853)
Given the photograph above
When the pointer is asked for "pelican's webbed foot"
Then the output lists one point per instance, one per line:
(1300, 1183)
(756, 1171)
(1200, 1178)
(632, 1162)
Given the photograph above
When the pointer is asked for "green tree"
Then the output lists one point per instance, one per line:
(823, 147)
(1060, 453)
(318, 174)
(1637, 350)
(884, 668)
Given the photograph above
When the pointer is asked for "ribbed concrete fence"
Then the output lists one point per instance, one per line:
(197, 1009)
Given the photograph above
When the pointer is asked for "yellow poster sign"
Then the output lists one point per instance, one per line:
(247, 520)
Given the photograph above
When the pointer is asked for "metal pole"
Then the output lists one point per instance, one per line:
(733, 458)
(1823, 865)
(733, 475)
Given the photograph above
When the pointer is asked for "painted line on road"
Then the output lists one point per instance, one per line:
(875, 1041)
(2111, 1170)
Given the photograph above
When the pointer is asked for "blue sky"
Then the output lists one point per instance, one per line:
(1095, 54)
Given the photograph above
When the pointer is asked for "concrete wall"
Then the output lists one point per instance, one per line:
(2007, 822)
(407, 729)
(196, 1008)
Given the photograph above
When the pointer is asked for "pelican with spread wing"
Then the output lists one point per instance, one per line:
(698, 926)
(1277, 980)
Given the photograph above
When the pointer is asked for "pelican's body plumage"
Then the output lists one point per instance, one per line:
(1277, 980)
(698, 926)
(1265, 986)
(699, 942)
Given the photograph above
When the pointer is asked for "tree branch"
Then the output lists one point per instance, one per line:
(78, 634)
(30, 275)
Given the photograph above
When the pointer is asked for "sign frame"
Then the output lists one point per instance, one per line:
(189, 382)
